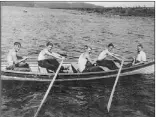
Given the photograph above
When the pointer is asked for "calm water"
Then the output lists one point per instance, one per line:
(70, 31)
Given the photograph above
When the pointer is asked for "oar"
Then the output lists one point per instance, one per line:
(73, 57)
(76, 57)
(113, 90)
(47, 92)
(66, 56)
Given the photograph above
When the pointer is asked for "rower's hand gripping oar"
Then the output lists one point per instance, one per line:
(47, 92)
(113, 90)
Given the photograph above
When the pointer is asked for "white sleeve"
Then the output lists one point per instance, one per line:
(47, 52)
(143, 58)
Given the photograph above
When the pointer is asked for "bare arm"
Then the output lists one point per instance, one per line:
(116, 56)
(58, 56)
(16, 61)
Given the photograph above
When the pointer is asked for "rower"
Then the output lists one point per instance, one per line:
(84, 60)
(46, 62)
(14, 60)
(102, 61)
(141, 55)
(85, 63)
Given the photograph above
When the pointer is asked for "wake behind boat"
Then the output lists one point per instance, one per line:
(71, 73)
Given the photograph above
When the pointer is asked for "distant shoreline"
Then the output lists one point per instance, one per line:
(89, 8)
(120, 11)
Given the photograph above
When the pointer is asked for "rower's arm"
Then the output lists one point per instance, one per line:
(133, 62)
(14, 57)
(115, 56)
(58, 56)
(19, 57)
(139, 63)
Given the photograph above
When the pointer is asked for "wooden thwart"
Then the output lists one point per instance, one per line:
(42, 70)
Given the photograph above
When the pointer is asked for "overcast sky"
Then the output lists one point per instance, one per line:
(124, 4)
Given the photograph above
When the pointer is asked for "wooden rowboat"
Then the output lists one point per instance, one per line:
(35, 75)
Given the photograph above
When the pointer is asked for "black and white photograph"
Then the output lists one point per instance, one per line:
(77, 58)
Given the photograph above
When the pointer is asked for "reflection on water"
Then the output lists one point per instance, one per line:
(134, 96)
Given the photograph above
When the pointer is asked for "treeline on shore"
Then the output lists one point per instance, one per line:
(129, 11)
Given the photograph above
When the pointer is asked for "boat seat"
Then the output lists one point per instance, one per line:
(69, 68)
(42, 70)
(74, 66)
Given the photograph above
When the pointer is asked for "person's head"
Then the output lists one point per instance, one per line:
(87, 48)
(17, 46)
(49, 46)
(110, 47)
(139, 47)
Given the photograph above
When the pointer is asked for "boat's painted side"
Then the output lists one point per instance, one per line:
(146, 68)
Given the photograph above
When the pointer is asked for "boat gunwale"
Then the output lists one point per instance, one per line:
(86, 73)
(69, 79)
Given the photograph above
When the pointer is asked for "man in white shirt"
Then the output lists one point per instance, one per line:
(84, 60)
(141, 57)
(102, 61)
(47, 58)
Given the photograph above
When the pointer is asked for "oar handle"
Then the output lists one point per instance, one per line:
(47, 92)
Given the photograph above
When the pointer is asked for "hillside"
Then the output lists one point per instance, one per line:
(51, 5)
(15, 3)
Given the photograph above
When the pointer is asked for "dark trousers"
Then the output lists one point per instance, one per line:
(127, 65)
(107, 63)
(51, 64)
(91, 68)
(22, 65)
